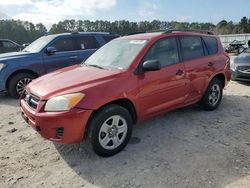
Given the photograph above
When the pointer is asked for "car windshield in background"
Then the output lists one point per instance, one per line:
(39, 44)
(118, 54)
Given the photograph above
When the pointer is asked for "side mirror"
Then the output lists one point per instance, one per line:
(51, 50)
(151, 65)
(25, 45)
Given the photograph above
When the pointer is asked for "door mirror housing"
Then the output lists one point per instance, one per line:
(151, 65)
(51, 50)
(25, 45)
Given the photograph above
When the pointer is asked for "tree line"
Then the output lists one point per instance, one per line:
(26, 32)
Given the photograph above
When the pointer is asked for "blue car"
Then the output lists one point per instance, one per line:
(47, 54)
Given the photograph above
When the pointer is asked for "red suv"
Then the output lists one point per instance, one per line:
(127, 80)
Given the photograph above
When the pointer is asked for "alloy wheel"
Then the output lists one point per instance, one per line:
(215, 94)
(113, 132)
(21, 84)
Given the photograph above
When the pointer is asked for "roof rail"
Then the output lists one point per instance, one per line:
(134, 33)
(75, 32)
(189, 30)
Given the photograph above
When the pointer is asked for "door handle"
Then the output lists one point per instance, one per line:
(210, 64)
(179, 72)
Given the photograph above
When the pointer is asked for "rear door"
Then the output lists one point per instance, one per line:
(166, 88)
(65, 55)
(85, 45)
(199, 67)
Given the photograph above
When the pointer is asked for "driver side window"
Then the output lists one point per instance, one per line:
(164, 50)
(63, 45)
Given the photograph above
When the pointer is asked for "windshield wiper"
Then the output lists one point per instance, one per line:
(97, 66)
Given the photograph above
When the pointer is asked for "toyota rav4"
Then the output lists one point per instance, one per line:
(126, 81)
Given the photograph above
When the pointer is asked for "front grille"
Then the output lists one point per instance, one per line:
(244, 68)
(31, 100)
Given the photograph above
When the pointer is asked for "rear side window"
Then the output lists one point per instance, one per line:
(165, 50)
(63, 45)
(191, 47)
(211, 45)
(108, 38)
(86, 42)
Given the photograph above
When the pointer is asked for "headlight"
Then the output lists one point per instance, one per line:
(63, 102)
(2, 66)
(233, 66)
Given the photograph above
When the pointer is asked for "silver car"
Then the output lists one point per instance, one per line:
(241, 66)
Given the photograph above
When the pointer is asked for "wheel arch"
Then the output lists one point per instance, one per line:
(220, 77)
(123, 102)
(18, 72)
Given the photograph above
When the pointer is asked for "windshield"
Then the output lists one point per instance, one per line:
(39, 44)
(118, 54)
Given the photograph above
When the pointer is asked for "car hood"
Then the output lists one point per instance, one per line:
(243, 58)
(14, 55)
(69, 80)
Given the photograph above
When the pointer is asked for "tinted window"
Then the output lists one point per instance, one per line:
(108, 38)
(86, 42)
(191, 47)
(165, 50)
(211, 44)
(63, 45)
(8, 44)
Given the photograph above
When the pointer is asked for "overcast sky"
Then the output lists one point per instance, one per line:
(53, 11)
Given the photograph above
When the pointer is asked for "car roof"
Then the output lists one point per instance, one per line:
(83, 33)
(6, 40)
(152, 35)
(143, 36)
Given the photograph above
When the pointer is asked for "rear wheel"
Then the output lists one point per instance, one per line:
(213, 95)
(110, 130)
(18, 83)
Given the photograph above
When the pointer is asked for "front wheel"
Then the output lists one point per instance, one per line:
(18, 83)
(110, 130)
(213, 95)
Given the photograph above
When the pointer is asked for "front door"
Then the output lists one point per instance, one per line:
(65, 55)
(167, 88)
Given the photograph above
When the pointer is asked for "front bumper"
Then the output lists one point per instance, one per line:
(240, 75)
(71, 124)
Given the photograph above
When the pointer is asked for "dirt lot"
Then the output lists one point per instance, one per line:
(185, 148)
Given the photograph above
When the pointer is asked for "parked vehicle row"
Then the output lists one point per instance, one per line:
(45, 55)
(126, 81)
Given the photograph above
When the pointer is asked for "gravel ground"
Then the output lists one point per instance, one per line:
(184, 148)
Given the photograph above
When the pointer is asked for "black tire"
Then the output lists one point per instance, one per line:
(97, 122)
(12, 86)
(209, 101)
